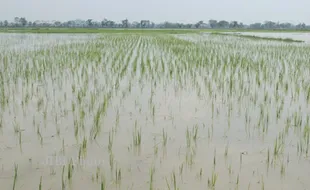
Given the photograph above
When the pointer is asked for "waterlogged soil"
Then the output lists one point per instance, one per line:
(153, 112)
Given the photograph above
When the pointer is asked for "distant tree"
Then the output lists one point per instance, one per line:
(233, 24)
(17, 21)
(110, 23)
(285, 25)
(172, 25)
(89, 22)
(269, 25)
(198, 24)
(169, 25)
(152, 25)
(71, 24)
(256, 25)
(104, 23)
(180, 25)
(5, 23)
(301, 26)
(213, 23)
(45, 24)
(164, 25)
(135, 24)
(223, 24)
(23, 21)
(96, 24)
(57, 23)
(125, 23)
(188, 25)
(144, 23)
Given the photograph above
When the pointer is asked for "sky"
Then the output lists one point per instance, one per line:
(187, 11)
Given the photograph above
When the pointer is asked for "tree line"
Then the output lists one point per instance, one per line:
(105, 23)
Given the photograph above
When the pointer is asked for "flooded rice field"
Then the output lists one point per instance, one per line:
(295, 36)
(153, 111)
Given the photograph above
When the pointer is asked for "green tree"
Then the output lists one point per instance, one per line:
(23, 21)
(16, 21)
(125, 23)
(213, 23)
(89, 22)
(234, 24)
(223, 24)
(5, 23)
(198, 24)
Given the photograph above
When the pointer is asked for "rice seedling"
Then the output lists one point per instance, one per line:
(136, 136)
(1, 123)
(110, 142)
(103, 183)
(84, 147)
(97, 173)
(118, 176)
(188, 138)
(278, 148)
(200, 174)
(190, 156)
(212, 180)
(226, 152)
(237, 182)
(282, 171)
(152, 171)
(181, 169)
(20, 141)
(174, 181)
(111, 161)
(229, 170)
(164, 138)
(268, 159)
(167, 183)
(16, 127)
(70, 171)
(63, 180)
(15, 176)
(195, 133)
(214, 159)
(263, 183)
(155, 150)
(40, 184)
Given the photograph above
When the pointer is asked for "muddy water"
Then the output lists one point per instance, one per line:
(202, 108)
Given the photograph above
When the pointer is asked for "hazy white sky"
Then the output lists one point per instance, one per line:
(246, 11)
